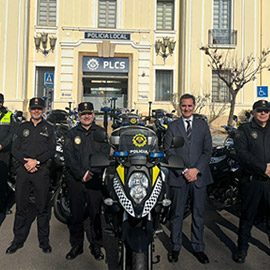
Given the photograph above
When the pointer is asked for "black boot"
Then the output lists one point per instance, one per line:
(74, 252)
(97, 253)
(240, 255)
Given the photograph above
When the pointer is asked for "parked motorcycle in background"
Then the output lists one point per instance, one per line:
(62, 122)
(124, 117)
(224, 169)
(160, 125)
(135, 177)
(18, 117)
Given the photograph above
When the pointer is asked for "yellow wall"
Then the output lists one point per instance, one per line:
(193, 19)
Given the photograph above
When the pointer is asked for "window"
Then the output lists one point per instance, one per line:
(165, 14)
(47, 12)
(107, 14)
(222, 22)
(40, 89)
(164, 85)
(220, 91)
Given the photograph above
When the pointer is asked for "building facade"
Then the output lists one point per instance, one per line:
(136, 51)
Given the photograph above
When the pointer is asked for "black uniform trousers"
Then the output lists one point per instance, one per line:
(251, 192)
(4, 167)
(84, 202)
(39, 182)
(179, 196)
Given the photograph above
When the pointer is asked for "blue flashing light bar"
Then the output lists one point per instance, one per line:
(120, 154)
(157, 155)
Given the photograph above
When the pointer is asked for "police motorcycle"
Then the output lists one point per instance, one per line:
(18, 117)
(136, 200)
(124, 117)
(160, 125)
(225, 171)
(62, 122)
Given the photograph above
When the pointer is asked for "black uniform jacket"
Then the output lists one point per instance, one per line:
(6, 130)
(79, 147)
(252, 144)
(34, 142)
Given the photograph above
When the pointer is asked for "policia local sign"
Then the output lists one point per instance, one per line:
(97, 35)
(101, 64)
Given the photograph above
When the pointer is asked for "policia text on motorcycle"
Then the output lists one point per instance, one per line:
(6, 134)
(84, 183)
(33, 147)
(252, 143)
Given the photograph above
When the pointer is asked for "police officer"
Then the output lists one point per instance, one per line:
(33, 147)
(84, 183)
(252, 143)
(6, 134)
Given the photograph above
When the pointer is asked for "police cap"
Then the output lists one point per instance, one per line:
(261, 104)
(37, 102)
(85, 107)
(1, 98)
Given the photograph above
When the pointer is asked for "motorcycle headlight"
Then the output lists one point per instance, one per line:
(138, 184)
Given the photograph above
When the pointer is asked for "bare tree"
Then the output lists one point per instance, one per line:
(214, 111)
(240, 72)
(174, 98)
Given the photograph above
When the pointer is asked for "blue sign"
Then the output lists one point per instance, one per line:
(262, 91)
(98, 35)
(100, 64)
(48, 79)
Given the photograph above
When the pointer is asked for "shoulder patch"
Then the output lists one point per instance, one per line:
(26, 132)
(254, 134)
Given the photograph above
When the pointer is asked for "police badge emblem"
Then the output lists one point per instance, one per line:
(133, 121)
(77, 140)
(26, 133)
(254, 134)
(139, 140)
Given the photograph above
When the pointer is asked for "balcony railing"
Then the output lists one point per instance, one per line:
(222, 37)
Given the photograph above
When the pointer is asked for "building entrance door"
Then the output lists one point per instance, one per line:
(100, 89)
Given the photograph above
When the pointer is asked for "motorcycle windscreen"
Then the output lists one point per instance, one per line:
(138, 139)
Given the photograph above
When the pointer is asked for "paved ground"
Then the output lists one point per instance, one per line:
(220, 239)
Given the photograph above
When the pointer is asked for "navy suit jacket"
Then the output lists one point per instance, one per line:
(195, 154)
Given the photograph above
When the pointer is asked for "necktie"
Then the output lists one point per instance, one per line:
(189, 130)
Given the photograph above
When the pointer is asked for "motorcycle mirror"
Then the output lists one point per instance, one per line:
(174, 162)
(177, 141)
(99, 160)
(147, 118)
(100, 136)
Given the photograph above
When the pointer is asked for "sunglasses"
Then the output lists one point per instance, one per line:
(262, 110)
(85, 113)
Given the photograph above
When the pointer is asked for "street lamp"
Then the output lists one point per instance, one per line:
(162, 46)
(43, 38)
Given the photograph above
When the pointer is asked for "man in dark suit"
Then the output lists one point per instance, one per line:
(192, 181)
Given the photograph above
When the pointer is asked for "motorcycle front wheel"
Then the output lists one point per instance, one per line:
(61, 205)
(136, 261)
(139, 261)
